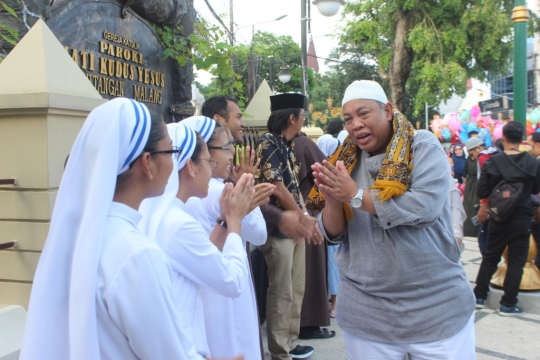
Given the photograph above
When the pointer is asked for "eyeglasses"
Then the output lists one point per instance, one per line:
(305, 116)
(227, 148)
(213, 163)
(175, 150)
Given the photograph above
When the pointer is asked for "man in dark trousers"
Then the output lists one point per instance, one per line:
(513, 166)
(534, 142)
(315, 304)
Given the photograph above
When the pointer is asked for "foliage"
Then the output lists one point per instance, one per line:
(447, 42)
(7, 33)
(206, 48)
(264, 46)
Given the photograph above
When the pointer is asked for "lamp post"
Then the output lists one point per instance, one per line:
(520, 16)
(326, 8)
(284, 74)
(427, 117)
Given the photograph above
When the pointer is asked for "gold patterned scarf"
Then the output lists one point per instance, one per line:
(394, 177)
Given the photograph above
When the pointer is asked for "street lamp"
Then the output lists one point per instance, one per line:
(427, 117)
(328, 7)
(284, 75)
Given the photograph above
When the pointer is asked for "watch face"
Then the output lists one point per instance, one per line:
(356, 203)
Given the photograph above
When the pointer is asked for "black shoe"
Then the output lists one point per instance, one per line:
(480, 303)
(301, 352)
(510, 311)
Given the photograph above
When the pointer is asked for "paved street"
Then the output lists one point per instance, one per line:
(497, 337)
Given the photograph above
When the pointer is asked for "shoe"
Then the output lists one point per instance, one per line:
(323, 333)
(301, 352)
(480, 303)
(510, 311)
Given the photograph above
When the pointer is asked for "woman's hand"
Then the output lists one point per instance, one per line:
(240, 200)
(262, 195)
(246, 165)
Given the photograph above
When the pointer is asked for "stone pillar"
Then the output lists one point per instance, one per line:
(44, 100)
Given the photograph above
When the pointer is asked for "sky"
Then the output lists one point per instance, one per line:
(247, 12)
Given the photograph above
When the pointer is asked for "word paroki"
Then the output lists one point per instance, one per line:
(119, 61)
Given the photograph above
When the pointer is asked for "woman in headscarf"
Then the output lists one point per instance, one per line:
(232, 324)
(102, 289)
(200, 261)
(459, 163)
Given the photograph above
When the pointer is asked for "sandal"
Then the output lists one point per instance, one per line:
(333, 314)
(323, 333)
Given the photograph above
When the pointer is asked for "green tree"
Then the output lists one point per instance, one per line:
(264, 45)
(429, 47)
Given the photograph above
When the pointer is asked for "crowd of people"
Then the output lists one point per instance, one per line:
(500, 223)
(148, 254)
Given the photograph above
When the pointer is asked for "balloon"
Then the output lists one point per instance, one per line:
(529, 130)
(465, 127)
(472, 127)
(497, 132)
(528, 122)
(488, 141)
(446, 134)
(475, 111)
(455, 138)
(485, 122)
(463, 136)
(535, 116)
(453, 122)
(465, 116)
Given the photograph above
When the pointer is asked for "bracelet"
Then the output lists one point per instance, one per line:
(222, 223)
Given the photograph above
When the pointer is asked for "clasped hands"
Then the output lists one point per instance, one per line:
(334, 182)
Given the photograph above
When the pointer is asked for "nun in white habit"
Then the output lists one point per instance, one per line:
(196, 262)
(328, 144)
(102, 289)
(232, 325)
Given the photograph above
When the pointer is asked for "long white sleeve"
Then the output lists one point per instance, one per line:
(141, 305)
(253, 224)
(192, 254)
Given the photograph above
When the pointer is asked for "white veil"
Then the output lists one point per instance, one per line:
(61, 322)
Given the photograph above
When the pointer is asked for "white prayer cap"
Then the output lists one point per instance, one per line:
(366, 90)
(153, 210)
(61, 321)
(201, 124)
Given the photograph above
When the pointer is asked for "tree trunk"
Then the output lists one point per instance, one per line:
(402, 57)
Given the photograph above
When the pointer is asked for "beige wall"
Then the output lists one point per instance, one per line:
(34, 143)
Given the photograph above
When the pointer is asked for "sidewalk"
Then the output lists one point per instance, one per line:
(497, 337)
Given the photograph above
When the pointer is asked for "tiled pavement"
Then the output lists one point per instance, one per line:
(497, 337)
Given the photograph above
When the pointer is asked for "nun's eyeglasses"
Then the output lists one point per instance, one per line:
(175, 150)
(227, 148)
(213, 163)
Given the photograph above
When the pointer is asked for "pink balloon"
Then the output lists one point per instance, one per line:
(453, 122)
(475, 111)
(497, 132)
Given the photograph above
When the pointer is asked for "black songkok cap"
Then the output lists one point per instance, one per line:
(287, 101)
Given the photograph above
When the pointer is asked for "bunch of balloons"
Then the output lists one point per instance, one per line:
(455, 127)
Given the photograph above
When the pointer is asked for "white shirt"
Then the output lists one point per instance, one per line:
(198, 264)
(136, 312)
(232, 325)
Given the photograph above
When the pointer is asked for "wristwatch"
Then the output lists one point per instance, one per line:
(222, 223)
(357, 201)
